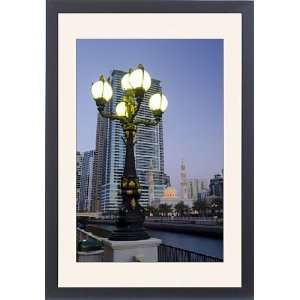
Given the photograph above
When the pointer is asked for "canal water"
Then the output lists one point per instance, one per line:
(201, 244)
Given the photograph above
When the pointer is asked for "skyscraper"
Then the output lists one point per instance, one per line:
(196, 186)
(99, 158)
(78, 176)
(216, 186)
(85, 197)
(110, 152)
(151, 184)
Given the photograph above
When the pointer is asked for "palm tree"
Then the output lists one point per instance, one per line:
(181, 208)
(164, 209)
(154, 211)
(199, 206)
(217, 204)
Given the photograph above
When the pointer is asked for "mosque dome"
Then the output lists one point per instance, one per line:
(169, 192)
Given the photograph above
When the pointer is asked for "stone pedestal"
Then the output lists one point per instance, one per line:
(130, 251)
(91, 256)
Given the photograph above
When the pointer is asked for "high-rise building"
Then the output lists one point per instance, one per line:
(85, 197)
(78, 176)
(151, 184)
(195, 186)
(216, 186)
(110, 152)
(183, 181)
(167, 180)
(202, 196)
(99, 158)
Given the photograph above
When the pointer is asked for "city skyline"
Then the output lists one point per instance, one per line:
(191, 71)
(190, 181)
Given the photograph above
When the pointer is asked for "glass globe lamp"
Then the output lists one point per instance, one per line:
(101, 91)
(158, 103)
(121, 109)
(125, 84)
(139, 80)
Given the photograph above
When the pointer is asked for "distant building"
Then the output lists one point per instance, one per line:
(202, 195)
(183, 181)
(216, 186)
(99, 165)
(196, 186)
(78, 176)
(85, 198)
(215, 197)
(170, 197)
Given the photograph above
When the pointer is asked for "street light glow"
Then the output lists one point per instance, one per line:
(158, 102)
(125, 82)
(121, 109)
(101, 90)
(140, 79)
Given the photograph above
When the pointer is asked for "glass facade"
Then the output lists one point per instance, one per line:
(216, 186)
(196, 186)
(85, 197)
(78, 177)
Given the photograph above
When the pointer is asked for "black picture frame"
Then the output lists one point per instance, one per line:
(92, 6)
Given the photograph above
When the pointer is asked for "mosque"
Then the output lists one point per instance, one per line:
(170, 194)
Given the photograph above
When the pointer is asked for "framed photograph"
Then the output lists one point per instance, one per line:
(149, 149)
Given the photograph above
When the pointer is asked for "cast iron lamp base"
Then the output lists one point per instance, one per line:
(130, 225)
(129, 234)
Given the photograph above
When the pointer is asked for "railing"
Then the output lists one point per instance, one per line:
(91, 256)
(168, 253)
(184, 220)
(83, 234)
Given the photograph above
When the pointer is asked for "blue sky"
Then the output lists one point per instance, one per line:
(191, 74)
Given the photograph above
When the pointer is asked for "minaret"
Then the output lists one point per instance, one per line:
(183, 181)
(151, 183)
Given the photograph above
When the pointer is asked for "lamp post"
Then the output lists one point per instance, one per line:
(135, 84)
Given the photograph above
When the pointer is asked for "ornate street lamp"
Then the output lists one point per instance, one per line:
(135, 84)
